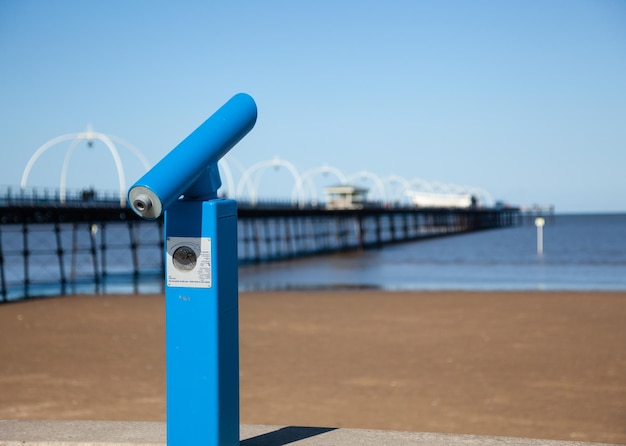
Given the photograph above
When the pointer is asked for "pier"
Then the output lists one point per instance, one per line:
(88, 242)
(62, 241)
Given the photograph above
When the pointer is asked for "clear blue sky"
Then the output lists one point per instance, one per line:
(526, 99)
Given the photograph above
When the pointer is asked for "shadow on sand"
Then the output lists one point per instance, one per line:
(285, 435)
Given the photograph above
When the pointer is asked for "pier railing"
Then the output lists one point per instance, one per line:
(47, 248)
(51, 197)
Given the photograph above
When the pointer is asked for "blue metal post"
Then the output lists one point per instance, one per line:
(202, 323)
(201, 292)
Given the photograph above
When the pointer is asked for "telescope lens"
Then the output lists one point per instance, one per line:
(142, 203)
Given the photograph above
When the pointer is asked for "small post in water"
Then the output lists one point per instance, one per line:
(540, 223)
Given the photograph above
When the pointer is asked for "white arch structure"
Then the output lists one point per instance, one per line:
(402, 182)
(224, 165)
(440, 187)
(364, 174)
(224, 168)
(251, 177)
(421, 184)
(308, 177)
(76, 138)
(144, 161)
(252, 183)
(458, 189)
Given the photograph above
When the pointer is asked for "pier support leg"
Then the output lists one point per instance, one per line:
(134, 249)
(60, 252)
(3, 284)
(360, 235)
(26, 257)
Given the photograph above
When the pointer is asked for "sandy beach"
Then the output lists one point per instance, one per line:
(542, 364)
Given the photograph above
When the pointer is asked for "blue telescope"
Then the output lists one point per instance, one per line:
(201, 278)
(190, 169)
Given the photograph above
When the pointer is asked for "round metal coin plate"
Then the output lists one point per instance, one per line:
(184, 258)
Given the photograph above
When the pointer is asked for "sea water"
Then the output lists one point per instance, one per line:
(580, 252)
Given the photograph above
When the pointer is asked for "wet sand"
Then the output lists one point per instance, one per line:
(543, 365)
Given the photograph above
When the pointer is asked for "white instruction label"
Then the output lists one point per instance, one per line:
(188, 262)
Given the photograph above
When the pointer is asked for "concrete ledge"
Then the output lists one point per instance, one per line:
(126, 433)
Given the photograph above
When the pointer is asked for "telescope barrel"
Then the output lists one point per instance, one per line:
(177, 172)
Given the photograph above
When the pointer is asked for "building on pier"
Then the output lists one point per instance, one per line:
(345, 196)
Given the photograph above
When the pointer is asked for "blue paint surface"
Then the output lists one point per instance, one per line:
(192, 164)
(202, 344)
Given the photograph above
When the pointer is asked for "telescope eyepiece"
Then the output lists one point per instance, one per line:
(142, 203)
